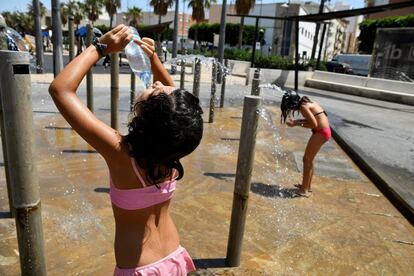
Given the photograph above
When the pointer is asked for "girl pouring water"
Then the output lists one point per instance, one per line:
(144, 165)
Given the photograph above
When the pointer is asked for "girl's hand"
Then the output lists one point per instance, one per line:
(148, 45)
(116, 39)
(291, 123)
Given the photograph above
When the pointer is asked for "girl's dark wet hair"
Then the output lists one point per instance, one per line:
(164, 129)
(291, 102)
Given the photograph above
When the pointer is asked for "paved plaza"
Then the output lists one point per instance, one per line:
(347, 227)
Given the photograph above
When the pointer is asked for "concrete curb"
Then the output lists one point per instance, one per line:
(390, 96)
(377, 177)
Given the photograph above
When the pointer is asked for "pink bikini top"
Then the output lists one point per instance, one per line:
(140, 198)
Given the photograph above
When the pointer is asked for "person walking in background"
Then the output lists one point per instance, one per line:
(144, 165)
(316, 119)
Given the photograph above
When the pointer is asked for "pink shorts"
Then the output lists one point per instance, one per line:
(325, 132)
(178, 263)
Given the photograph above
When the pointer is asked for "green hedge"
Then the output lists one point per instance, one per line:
(261, 61)
(369, 27)
(206, 33)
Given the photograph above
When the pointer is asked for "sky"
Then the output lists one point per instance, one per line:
(21, 5)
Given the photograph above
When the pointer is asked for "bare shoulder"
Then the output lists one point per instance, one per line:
(306, 106)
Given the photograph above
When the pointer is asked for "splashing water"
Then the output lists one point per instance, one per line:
(279, 155)
(205, 61)
(12, 40)
(272, 86)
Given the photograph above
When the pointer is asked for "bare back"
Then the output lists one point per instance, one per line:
(142, 236)
(313, 111)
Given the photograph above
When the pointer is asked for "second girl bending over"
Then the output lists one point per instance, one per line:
(316, 119)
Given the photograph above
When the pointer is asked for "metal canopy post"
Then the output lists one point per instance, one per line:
(296, 53)
(256, 28)
(321, 45)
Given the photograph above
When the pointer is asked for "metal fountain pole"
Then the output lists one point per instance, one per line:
(132, 92)
(197, 76)
(39, 37)
(115, 90)
(222, 37)
(223, 83)
(71, 39)
(175, 35)
(213, 91)
(57, 38)
(243, 176)
(15, 94)
(89, 75)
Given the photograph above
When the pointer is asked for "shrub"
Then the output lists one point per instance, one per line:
(206, 33)
(261, 61)
(369, 27)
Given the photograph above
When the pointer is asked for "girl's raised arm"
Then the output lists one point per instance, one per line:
(103, 138)
(158, 69)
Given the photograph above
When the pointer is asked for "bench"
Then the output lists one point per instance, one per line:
(240, 69)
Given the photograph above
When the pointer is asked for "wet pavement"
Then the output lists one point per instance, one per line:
(346, 227)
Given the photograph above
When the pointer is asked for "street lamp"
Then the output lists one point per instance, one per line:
(283, 45)
(261, 38)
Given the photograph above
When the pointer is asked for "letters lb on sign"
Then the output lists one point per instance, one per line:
(393, 54)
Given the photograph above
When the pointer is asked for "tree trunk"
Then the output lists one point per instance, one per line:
(158, 46)
(111, 18)
(240, 44)
(195, 36)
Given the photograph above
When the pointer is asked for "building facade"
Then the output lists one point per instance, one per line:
(352, 29)
(380, 15)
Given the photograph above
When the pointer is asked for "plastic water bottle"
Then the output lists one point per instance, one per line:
(138, 61)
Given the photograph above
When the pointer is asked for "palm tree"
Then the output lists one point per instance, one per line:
(26, 20)
(76, 10)
(93, 9)
(64, 13)
(31, 9)
(161, 7)
(242, 8)
(9, 17)
(111, 7)
(198, 14)
(134, 14)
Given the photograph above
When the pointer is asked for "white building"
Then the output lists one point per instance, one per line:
(335, 34)
(352, 30)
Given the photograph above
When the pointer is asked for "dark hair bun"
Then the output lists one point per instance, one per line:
(165, 128)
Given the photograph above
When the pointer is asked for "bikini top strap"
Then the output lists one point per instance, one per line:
(134, 165)
(323, 111)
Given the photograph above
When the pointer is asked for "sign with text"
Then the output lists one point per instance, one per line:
(393, 54)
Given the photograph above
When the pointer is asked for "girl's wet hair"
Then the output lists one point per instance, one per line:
(291, 102)
(164, 129)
